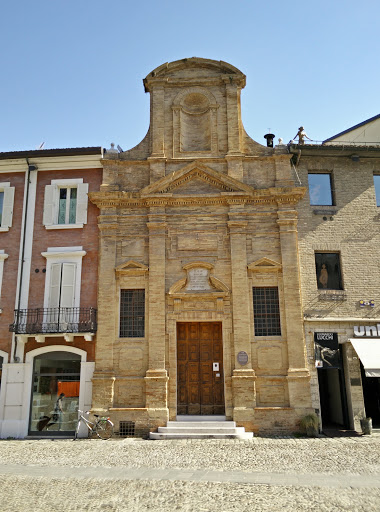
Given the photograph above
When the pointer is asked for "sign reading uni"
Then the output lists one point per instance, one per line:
(369, 331)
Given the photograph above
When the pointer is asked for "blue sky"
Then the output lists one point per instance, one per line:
(72, 70)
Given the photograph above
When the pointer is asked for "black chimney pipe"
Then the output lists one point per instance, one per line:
(269, 137)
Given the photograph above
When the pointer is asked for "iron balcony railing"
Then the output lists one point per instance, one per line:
(54, 320)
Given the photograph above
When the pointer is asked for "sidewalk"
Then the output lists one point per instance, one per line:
(262, 474)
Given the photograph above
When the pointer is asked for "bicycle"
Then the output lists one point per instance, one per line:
(102, 427)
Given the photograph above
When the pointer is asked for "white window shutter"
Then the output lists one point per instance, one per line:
(9, 194)
(82, 202)
(55, 285)
(68, 285)
(48, 217)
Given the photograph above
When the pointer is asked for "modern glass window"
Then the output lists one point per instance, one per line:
(376, 179)
(327, 266)
(55, 393)
(1, 205)
(67, 205)
(132, 313)
(320, 189)
(266, 311)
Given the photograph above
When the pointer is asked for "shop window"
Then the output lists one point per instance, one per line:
(65, 204)
(266, 311)
(327, 266)
(320, 189)
(132, 313)
(6, 206)
(376, 179)
(55, 393)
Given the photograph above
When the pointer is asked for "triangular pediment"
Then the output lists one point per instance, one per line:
(197, 179)
(265, 265)
(131, 267)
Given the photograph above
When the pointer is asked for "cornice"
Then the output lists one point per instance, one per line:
(271, 196)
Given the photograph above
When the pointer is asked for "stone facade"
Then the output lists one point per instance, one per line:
(197, 215)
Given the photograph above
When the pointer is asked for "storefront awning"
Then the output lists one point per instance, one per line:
(368, 351)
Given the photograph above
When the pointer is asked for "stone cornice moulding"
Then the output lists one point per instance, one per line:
(264, 265)
(64, 254)
(261, 197)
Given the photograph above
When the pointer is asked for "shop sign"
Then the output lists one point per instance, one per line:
(326, 350)
(367, 331)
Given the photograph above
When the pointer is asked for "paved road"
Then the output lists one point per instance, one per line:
(262, 474)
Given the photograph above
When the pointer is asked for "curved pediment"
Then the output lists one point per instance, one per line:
(193, 67)
(198, 280)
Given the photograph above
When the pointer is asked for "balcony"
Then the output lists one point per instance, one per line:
(53, 321)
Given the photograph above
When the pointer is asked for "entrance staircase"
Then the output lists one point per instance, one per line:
(201, 427)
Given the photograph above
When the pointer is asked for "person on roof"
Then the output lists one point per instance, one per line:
(301, 134)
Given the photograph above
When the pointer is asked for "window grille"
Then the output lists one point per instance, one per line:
(126, 428)
(266, 310)
(132, 313)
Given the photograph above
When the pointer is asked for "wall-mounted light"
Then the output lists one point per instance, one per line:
(364, 303)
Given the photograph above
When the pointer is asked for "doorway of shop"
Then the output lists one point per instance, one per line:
(371, 394)
(332, 395)
(55, 394)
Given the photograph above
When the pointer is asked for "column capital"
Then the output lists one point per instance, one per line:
(237, 227)
(287, 220)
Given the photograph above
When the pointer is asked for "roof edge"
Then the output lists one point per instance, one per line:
(11, 155)
(352, 128)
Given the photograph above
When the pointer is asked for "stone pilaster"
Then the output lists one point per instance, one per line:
(243, 377)
(234, 125)
(157, 122)
(298, 374)
(284, 177)
(156, 379)
(104, 378)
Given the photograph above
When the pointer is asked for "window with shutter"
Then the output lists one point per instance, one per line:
(6, 206)
(65, 204)
(63, 277)
(3, 257)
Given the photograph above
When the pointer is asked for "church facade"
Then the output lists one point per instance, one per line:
(199, 303)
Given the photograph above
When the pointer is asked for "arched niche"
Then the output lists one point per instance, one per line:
(195, 123)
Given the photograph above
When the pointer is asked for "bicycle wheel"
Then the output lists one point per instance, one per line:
(77, 430)
(104, 429)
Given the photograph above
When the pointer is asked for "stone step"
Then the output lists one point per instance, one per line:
(201, 430)
(209, 435)
(203, 424)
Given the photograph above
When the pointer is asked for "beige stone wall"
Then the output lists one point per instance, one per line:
(351, 229)
(165, 205)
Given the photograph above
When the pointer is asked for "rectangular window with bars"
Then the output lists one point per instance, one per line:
(132, 313)
(266, 310)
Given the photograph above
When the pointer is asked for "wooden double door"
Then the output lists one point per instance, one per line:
(200, 384)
